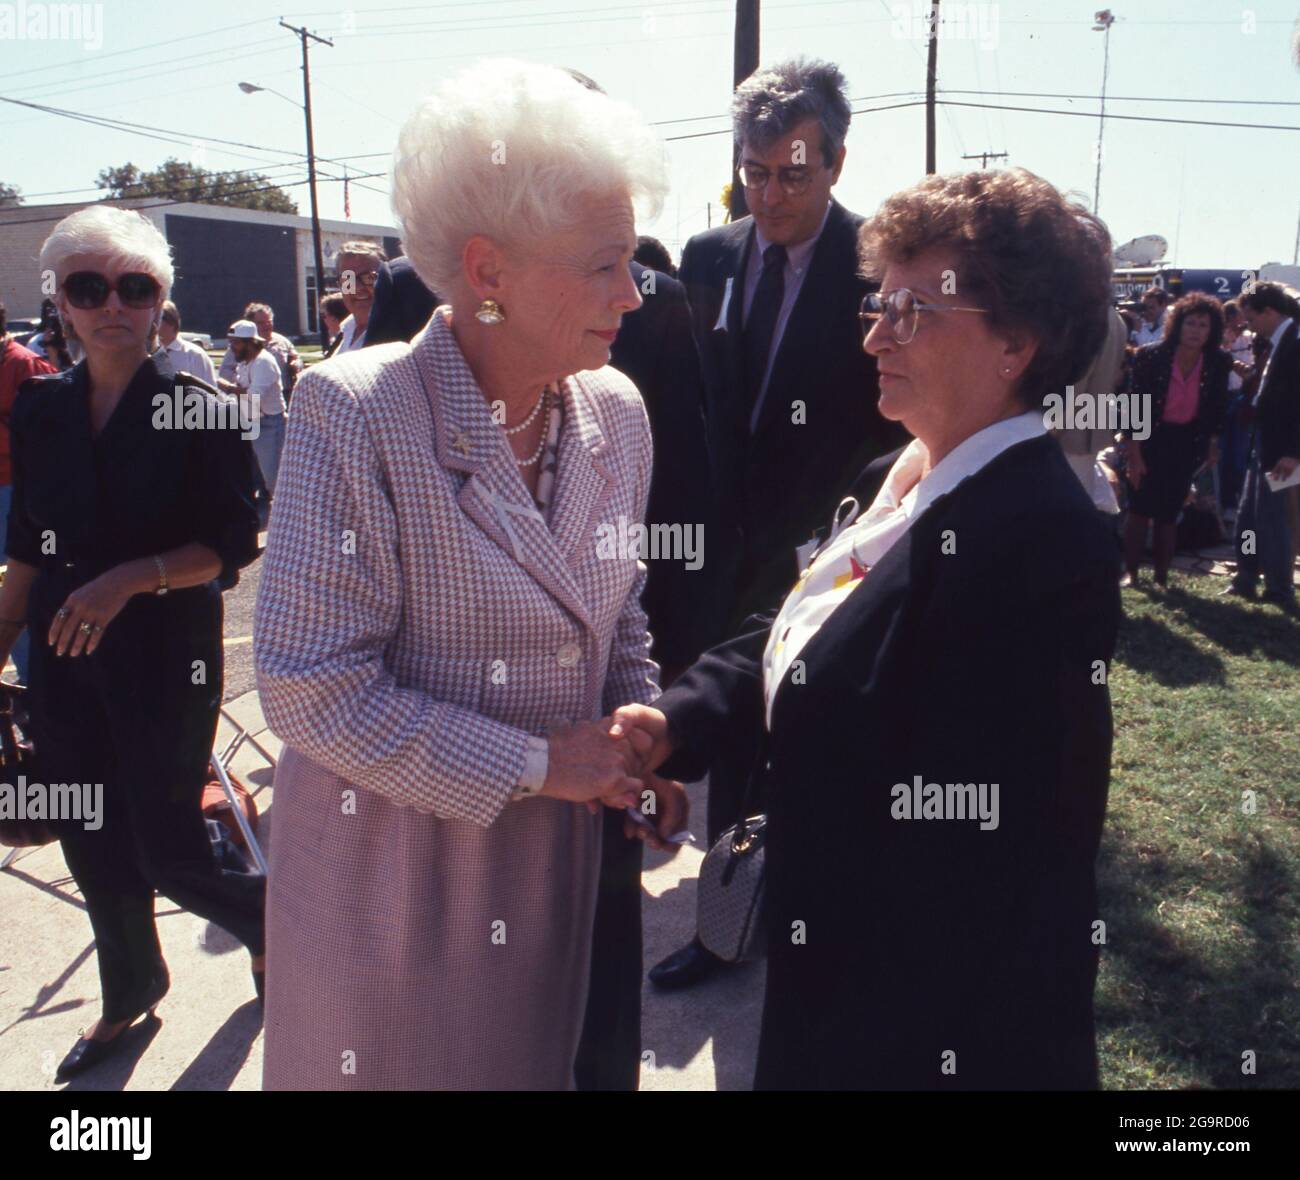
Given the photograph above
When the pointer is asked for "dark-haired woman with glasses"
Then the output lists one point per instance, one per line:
(132, 508)
(929, 704)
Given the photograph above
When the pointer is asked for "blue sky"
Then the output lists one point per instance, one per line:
(1222, 196)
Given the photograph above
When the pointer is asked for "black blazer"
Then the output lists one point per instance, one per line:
(1277, 413)
(403, 304)
(971, 653)
(655, 349)
(1153, 364)
(778, 484)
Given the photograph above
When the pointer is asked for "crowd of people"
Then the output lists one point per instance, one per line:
(486, 719)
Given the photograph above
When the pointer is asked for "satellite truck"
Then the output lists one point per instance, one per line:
(1140, 264)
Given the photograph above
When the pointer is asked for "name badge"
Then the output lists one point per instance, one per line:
(721, 325)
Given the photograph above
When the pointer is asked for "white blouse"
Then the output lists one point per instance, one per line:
(858, 543)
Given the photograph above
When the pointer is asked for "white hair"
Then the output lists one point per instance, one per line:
(128, 238)
(509, 149)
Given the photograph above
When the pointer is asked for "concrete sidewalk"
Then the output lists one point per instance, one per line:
(208, 1033)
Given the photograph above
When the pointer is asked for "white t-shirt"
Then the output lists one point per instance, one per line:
(260, 376)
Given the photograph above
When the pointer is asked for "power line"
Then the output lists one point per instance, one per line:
(1265, 102)
(170, 201)
(1130, 118)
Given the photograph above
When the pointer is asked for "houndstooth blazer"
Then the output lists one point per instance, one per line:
(416, 621)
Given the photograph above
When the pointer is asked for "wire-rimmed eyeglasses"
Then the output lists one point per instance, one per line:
(794, 181)
(900, 308)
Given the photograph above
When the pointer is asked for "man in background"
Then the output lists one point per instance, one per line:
(182, 355)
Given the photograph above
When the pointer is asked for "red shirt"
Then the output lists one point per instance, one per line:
(16, 365)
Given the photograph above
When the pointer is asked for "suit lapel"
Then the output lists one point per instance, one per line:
(1277, 358)
(733, 266)
(493, 495)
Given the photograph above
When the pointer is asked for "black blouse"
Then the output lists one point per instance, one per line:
(146, 484)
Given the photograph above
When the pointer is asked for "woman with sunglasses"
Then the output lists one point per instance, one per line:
(930, 703)
(127, 520)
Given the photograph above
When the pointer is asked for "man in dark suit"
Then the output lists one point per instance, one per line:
(1263, 533)
(790, 394)
(655, 349)
(403, 304)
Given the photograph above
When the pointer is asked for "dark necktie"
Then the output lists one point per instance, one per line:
(761, 324)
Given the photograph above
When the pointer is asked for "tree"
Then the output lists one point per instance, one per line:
(179, 180)
(11, 195)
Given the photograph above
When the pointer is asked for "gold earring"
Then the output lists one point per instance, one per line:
(490, 312)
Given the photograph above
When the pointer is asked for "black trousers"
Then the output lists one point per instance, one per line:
(609, 1054)
(138, 718)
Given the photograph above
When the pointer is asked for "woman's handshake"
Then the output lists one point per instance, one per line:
(612, 762)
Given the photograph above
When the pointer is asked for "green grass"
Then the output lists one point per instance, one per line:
(1202, 901)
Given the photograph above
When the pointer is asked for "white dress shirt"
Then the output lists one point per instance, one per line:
(190, 358)
(855, 545)
(797, 258)
(1146, 333)
(351, 337)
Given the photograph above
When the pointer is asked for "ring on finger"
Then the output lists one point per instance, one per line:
(85, 628)
(63, 612)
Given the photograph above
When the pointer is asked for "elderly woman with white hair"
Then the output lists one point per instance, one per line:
(438, 632)
(132, 508)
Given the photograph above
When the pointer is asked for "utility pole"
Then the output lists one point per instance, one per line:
(931, 73)
(303, 35)
(745, 63)
(985, 157)
(1101, 24)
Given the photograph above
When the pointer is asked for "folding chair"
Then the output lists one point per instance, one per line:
(220, 765)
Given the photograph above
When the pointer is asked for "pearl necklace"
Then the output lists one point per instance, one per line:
(541, 445)
(527, 422)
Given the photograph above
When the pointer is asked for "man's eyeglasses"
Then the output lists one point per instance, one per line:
(793, 181)
(901, 311)
(361, 278)
(87, 290)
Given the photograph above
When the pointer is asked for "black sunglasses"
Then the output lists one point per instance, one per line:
(87, 289)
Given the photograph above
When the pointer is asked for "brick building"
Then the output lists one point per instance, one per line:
(225, 257)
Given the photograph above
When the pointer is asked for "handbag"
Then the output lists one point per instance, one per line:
(729, 897)
(16, 758)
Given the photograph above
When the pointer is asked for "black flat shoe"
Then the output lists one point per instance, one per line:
(87, 1053)
(685, 968)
